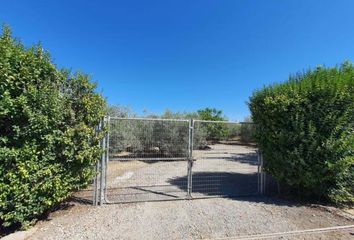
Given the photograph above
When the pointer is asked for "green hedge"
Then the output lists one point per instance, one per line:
(306, 132)
(47, 138)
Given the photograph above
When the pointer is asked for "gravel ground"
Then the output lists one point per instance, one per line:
(189, 219)
(223, 170)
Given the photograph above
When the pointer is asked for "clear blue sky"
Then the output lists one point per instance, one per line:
(182, 54)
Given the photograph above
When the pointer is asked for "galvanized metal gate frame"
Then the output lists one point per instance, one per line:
(100, 179)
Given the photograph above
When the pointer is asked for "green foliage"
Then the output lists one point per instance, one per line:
(215, 131)
(170, 139)
(140, 137)
(48, 143)
(179, 115)
(247, 131)
(146, 138)
(305, 129)
(120, 111)
(212, 114)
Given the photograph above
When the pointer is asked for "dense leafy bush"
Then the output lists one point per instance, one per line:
(305, 128)
(47, 138)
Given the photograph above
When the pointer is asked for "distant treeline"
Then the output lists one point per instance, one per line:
(170, 139)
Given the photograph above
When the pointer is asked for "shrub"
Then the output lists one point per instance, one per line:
(139, 137)
(170, 137)
(305, 129)
(47, 138)
(215, 131)
(247, 131)
(200, 136)
(123, 136)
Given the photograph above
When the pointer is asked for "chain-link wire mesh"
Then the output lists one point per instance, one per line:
(166, 159)
(145, 158)
(148, 139)
(225, 159)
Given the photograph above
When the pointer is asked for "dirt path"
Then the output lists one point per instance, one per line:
(223, 170)
(185, 219)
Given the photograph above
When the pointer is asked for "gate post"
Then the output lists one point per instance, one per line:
(95, 185)
(97, 168)
(103, 166)
(190, 158)
(107, 158)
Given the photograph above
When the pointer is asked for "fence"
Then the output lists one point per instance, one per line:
(167, 159)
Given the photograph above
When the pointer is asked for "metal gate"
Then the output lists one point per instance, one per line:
(149, 159)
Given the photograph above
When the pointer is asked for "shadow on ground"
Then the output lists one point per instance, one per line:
(238, 143)
(219, 183)
(83, 197)
(237, 186)
(248, 158)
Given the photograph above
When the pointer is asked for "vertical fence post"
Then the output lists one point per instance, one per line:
(102, 169)
(95, 180)
(95, 193)
(94, 197)
(190, 157)
(107, 158)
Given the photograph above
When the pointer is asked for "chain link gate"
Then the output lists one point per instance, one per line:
(148, 159)
(226, 162)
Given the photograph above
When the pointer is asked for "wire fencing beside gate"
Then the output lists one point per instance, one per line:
(133, 138)
(226, 159)
(147, 159)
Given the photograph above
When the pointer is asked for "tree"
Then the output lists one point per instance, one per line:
(120, 111)
(48, 142)
(214, 131)
(305, 130)
(247, 130)
(212, 114)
